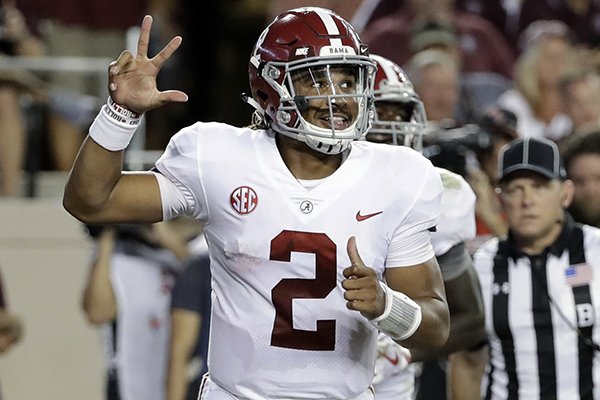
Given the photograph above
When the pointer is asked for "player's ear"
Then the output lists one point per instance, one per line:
(566, 193)
(498, 192)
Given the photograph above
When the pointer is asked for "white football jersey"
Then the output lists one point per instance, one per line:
(456, 223)
(142, 281)
(280, 328)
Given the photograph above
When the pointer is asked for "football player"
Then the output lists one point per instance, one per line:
(400, 120)
(317, 241)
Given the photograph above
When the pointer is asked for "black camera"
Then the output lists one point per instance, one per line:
(452, 148)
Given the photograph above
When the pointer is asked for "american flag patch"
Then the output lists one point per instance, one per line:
(578, 274)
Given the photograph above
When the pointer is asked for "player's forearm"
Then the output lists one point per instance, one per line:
(99, 302)
(434, 328)
(177, 245)
(465, 370)
(466, 330)
(185, 327)
(93, 177)
(176, 382)
(466, 314)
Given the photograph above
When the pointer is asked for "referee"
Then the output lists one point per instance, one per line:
(540, 285)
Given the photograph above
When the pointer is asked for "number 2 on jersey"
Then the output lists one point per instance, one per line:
(284, 334)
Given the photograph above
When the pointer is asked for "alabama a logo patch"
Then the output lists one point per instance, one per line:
(243, 200)
(306, 207)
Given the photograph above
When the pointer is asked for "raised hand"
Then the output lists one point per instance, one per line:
(132, 79)
(363, 292)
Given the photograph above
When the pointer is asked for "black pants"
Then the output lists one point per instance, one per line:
(112, 386)
(432, 382)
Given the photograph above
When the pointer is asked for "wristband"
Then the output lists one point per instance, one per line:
(122, 111)
(114, 126)
(401, 317)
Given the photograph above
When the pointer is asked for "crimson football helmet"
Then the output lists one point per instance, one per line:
(400, 114)
(312, 79)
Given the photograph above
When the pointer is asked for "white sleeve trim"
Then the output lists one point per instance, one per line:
(174, 201)
(411, 250)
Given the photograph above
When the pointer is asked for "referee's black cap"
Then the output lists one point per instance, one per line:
(531, 154)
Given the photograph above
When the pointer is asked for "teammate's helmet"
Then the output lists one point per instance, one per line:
(313, 47)
(400, 117)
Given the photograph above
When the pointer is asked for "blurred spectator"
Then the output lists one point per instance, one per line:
(92, 28)
(371, 10)
(16, 39)
(580, 95)
(498, 128)
(128, 293)
(478, 89)
(431, 34)
(509, 17)
(73, 28)
(190, 324)
(451, 98)
(482, 47)
(581, 16)
(536, 97)
(582, 162)
(453, 107)
(436, 77)
(464, 136)
(504, 15)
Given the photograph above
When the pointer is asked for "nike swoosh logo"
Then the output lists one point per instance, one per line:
(360, 217)
(393, 361)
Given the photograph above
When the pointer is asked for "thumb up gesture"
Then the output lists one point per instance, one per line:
(363, 292)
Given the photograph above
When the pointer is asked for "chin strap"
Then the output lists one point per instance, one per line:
(258, 116)
(246, 98)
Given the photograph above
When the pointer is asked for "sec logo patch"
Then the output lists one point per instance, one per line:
(243, 200)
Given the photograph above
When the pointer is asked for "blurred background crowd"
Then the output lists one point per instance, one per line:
(488, 71)
(537, 59)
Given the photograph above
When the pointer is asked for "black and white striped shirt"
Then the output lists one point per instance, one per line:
(534, 307)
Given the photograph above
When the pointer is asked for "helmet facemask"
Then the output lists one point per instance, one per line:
(399, 122)
(325, 103)
(312, 79)
(400, 117)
